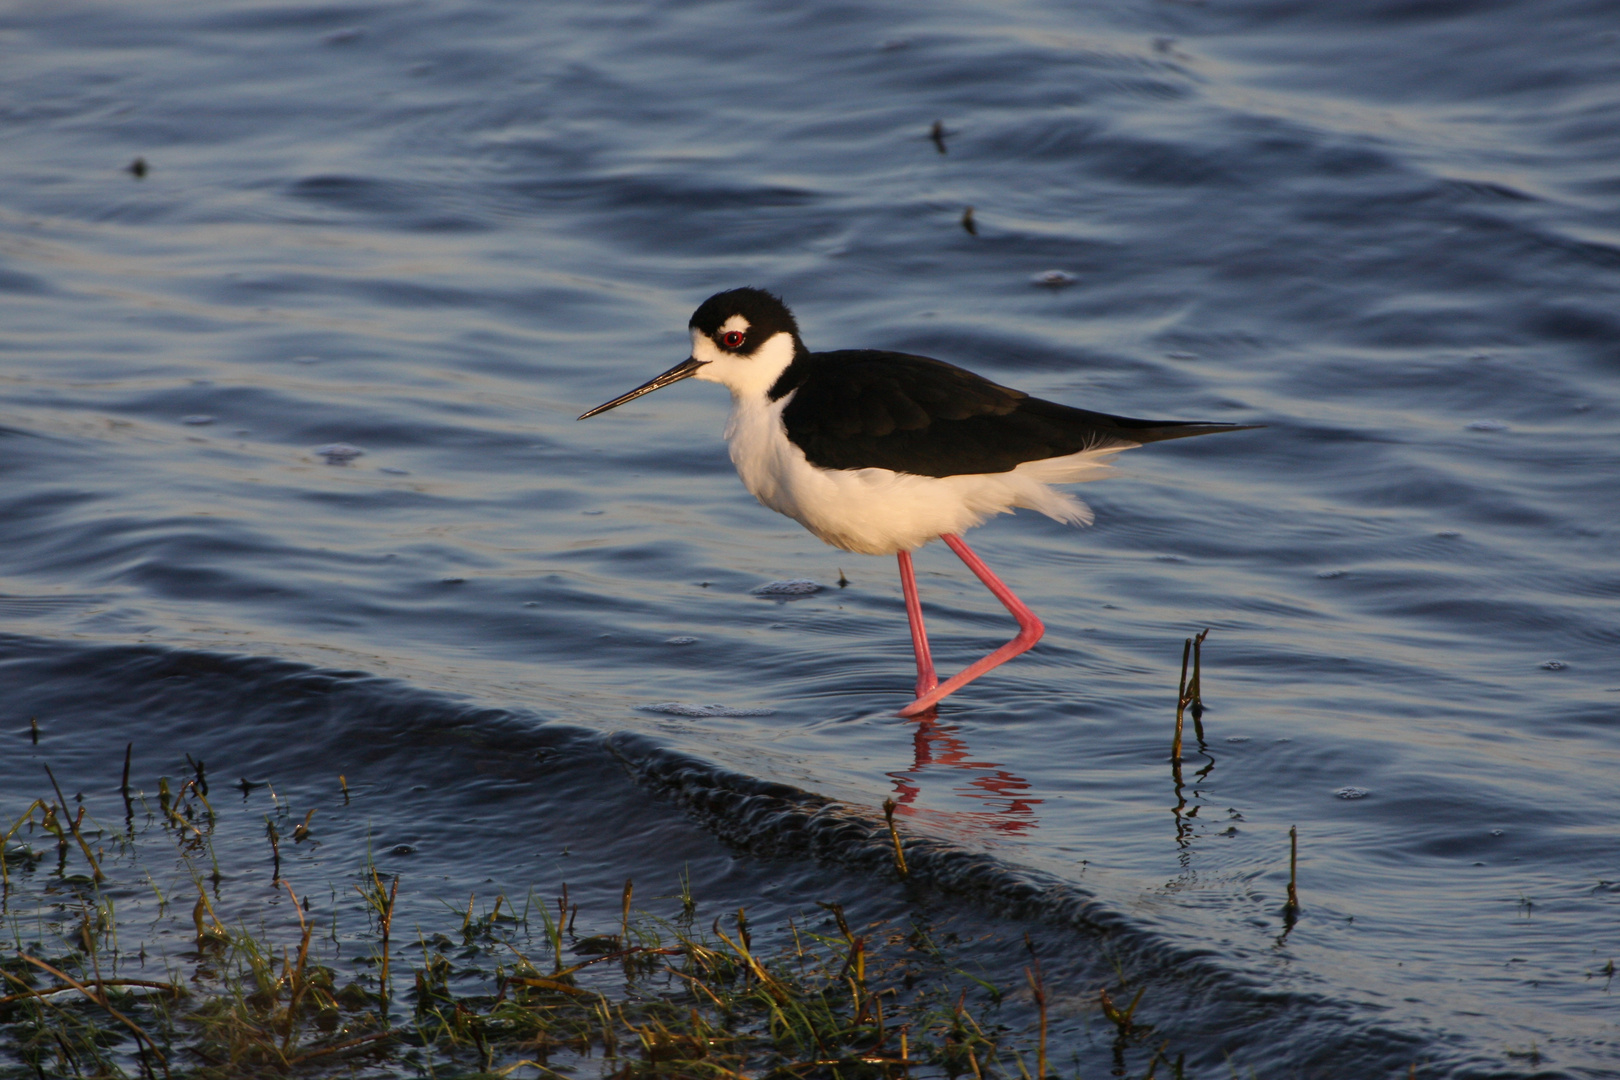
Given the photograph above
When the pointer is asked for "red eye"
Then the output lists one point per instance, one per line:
(732, 339)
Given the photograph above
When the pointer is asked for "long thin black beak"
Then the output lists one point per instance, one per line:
(683, 370)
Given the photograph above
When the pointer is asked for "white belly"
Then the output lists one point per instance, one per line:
(879, 511)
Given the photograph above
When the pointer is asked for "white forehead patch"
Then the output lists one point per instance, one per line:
(736, 322)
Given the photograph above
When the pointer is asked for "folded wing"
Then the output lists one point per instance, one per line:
(866, 408)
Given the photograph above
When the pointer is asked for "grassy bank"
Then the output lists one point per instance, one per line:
(114, 970)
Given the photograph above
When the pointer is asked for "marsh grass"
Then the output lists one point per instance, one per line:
(500, 989)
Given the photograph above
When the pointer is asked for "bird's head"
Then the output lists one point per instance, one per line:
(742, 338)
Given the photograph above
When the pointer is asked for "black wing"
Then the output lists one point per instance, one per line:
(864, 408)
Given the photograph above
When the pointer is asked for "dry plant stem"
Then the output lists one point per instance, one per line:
(1037, 987)
(619, 955)
(1196, 690)
(340, 1047)
(299, 984)
(37, 804)
(894, 835)
(624, 922)
(101, 999)
(129, 807)
(766, 979)
(1293, 866)
(838, 917)
(95, 868)
(202, 905)
(275, 850)
(697, 984)
(541, 983)
(387, 918)
(1120, 1018)
(175, 991)
(1181, 701)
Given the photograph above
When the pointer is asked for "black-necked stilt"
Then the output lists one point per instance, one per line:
(880, 452)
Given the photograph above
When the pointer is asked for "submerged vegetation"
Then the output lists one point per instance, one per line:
(93, 985)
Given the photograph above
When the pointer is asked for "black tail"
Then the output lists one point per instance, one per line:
(1103, 429)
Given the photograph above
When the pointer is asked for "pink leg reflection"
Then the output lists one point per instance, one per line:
(938, 746)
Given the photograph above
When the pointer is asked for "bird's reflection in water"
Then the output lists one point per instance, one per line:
(1004, 796)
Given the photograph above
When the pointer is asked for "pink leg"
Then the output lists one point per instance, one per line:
(926, 679)
(1030, 629)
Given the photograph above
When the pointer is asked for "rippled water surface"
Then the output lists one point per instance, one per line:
(290, 480)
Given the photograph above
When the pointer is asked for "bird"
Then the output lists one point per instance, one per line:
(879, 452)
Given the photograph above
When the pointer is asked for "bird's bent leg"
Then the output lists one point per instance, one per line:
(926, 679)
(1030, 629)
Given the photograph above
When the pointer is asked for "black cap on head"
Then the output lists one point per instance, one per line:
(766, 314)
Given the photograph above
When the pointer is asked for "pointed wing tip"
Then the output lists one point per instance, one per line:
(1186, 429)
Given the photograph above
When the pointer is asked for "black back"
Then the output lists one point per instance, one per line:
(866, 408)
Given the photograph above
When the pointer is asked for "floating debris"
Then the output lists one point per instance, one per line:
(391, 471)
(1351, 793)
(796, 587)
(1553, 665)
(681, 708)
(1182, 356)
(1054, 279)
(197, 419)
(137, 168)
(339, 453)
(1488, 425)
(347, 35)
(967, 222)
(1329, 575)
(306, 359)
(682, 639)
(938, 133)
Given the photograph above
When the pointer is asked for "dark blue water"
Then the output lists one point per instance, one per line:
(434, 234)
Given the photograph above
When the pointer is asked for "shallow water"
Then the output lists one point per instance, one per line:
(434, 234)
